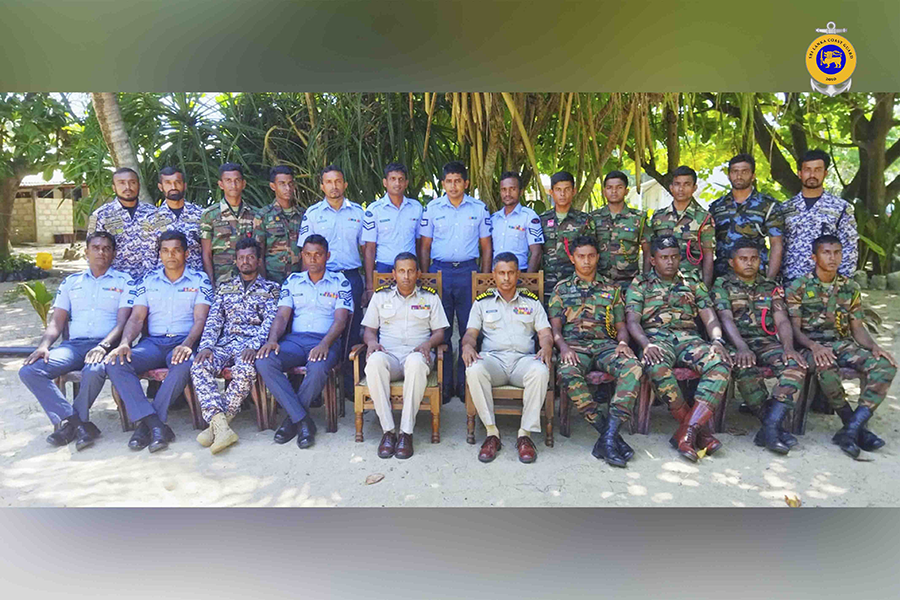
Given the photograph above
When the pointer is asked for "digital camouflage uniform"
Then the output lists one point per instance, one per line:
(590, 311)
(825, 311)
(619, 237)
(694, 229)
(557, 235)
(224, 228)
(802, 225)
(752, 307)
(238, 319)
(756, 218)
(135, 238)
(668, 311)
(277, 229)
(187, 223)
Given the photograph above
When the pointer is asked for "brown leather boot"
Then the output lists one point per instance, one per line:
(699, 417)
(680, 412)
(706, 439)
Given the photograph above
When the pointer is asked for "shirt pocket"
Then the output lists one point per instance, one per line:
(184, 302)
(492, 321)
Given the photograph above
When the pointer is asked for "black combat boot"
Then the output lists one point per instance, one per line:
(847, 435)
(606, 446)
(867, 440)
(786, 437)
(768, 434)
(624, 449)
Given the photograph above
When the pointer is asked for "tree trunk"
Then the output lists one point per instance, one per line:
(8, 188)
(106, 106)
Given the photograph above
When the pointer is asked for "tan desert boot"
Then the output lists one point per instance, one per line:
(205, 437)
(223, 436)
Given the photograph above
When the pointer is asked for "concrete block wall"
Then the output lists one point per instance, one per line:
(54, 215)
(22, 223)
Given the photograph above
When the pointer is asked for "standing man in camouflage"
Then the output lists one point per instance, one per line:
(661, 307)
(752, 311)
(509, 318)
(561, 225)
(691, 225)
(277, 227)
(223, 224)
(747, 213)
(404, 324)
(619, 230)
(178, 215)
(826, 314)
(588, 320)
(390, 226)
(454, 228)
(813, 213)
(237, 326)
(130, 222)
(517, 228)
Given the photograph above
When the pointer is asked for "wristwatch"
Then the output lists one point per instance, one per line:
(719, 340)
(106, 346)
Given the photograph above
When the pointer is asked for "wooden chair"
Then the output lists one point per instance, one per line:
(812, 385)
(508, 398)
(432, 400)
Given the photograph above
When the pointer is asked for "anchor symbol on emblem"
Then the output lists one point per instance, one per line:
(830, 60)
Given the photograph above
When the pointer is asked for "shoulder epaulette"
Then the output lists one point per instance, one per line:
(484, 295)
(430, 290)
(528, 294)
(384, 287)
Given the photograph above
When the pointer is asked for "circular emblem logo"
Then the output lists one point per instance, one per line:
(830, 59)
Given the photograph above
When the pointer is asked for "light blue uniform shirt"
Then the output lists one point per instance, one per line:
(93, 302)
(455, 231)
(392, 229)
(314, 303)
(170, 304)
(342, 228)
(516, 231)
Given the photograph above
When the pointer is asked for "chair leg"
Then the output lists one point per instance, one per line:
(127, 425)
(548, 414)
(435, 419)
(330, 406)
(196, 415)
(719, 418)
(643, 408)
(801, 410)
(564, 424)
(470, 419)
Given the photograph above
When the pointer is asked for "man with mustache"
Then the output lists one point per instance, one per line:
(813, 213)
(178, 215)
(130, 222)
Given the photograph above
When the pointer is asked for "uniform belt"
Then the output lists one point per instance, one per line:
(170, 335)
(458, 263)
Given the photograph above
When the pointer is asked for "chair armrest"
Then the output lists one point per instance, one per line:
(355, 352)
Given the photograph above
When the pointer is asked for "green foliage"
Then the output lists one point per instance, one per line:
(41, 300)
(15, 262)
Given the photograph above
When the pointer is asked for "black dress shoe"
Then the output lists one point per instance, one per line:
(160, 436)
(85, 434)
(286, 432)
(64, 434)
(306, 436)
(141, 437)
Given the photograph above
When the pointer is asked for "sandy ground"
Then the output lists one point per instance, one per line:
(258, 472)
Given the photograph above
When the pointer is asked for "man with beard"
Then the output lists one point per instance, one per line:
(223, 224)
(174, 300)
(177, 215)
(747, 213)
(390, 226)
(691, 225)
(94, 304)
(277, 227)
(517, 228)
(130, 222)
(237, 325)
(813, 213)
